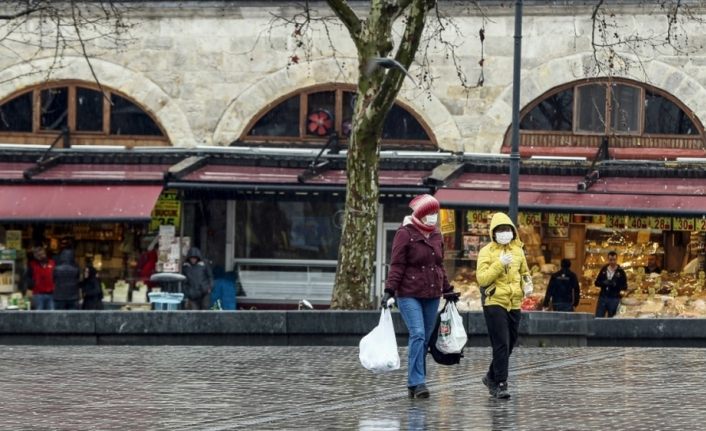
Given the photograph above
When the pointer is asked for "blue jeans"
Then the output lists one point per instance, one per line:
(419, 315)
(43, 301)
(607, 304)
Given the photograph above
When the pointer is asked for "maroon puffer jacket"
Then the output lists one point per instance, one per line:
(417, 265)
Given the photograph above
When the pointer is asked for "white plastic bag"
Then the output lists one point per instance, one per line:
(452, 335)
(378, 349)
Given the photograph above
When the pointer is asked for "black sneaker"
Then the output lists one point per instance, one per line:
(419, 391)
(501, 391)
(489, 383)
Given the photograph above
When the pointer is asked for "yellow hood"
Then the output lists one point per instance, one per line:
(497, 220)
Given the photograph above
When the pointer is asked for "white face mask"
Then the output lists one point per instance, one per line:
(503, 237)
(431, 219)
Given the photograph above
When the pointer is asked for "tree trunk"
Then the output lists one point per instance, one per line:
(357, 248)
(377, 90)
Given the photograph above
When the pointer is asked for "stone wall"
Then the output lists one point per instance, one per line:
(205, 69)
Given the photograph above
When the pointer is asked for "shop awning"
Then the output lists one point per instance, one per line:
(265, 178)
(77, 202)
(103, 172)
(617, 195)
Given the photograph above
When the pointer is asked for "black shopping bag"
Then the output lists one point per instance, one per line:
(439, 356)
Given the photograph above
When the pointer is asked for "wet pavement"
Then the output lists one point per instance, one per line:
(275, 388)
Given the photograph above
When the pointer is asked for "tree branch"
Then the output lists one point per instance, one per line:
(25, 12)
(348, 16)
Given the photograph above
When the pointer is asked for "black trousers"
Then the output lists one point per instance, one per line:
(502, 330)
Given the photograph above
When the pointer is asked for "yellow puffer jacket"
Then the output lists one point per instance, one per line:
(503, 285)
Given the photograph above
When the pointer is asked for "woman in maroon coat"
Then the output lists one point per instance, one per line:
(417, 279)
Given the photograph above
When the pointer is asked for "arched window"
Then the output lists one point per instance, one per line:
(626, 113)
(608, 108)
(90, 116)
(311, 115)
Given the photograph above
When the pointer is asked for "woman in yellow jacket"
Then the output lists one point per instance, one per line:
(504, 279)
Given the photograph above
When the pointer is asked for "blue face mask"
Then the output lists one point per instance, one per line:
(431, 219)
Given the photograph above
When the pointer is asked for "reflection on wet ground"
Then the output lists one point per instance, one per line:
(223, 388)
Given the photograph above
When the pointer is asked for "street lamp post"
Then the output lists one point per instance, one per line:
(515, 148)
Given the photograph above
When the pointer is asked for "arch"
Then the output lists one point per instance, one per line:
(138, 87)
(244, 108)
(541, 79)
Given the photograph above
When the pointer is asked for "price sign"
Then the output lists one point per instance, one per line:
(615, 221)
(167, 210)
(475, 217)
(530, 219)
(637, 222)
(660, 223)
(558, 220)
(700, 224)
(447, 221)
(683, 224)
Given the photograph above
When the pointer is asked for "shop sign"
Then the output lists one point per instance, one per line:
(530, 219)
(615, 221)
(13, 239)
(475, 217)
(166, 211)
(447, 220)
(679, 223)
(660, 223)
(638, 222)
(8, 254)
(558, 220)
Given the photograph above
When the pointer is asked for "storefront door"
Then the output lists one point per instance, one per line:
(384, 251)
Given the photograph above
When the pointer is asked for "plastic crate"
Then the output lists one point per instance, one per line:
(165, 300)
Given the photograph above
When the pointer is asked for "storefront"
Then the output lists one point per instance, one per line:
(278, 223)
(101, 211)
(561, 218)
(263, 214)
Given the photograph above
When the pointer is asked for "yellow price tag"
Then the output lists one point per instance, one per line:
(447, 219)
(682, 223)
(637, 222)
(700, 224)
(615, 221)
(558, 220)
(660, 223)
(530, 219)
(474, 217)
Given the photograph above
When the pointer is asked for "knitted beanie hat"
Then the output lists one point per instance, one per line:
(423, 205)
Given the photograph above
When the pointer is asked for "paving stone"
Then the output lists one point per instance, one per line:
(275, 388)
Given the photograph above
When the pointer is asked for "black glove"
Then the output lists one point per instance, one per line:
(452, 296)
(386, 297)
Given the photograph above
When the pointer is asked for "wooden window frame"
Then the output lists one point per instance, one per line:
(643, 88)
(43, 136)
(305, 139)
(577, 104)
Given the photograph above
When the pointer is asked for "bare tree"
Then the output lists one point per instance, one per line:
(620, 43)
(33, 29)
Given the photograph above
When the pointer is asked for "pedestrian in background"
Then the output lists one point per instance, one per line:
(39, 278)
(66, 279)
(223, 294)
(612, 280)
(563, 289)
(504, 278)
(199, 281)
(417, 279)
(91, 288)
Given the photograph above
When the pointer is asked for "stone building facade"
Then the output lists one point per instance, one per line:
(204, 70)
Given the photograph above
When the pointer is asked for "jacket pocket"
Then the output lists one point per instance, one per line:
(486, 292)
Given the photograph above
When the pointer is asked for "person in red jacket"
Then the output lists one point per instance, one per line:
(40, 279)
(417, 279)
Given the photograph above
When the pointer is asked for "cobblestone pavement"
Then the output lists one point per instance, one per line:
(223, 388)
